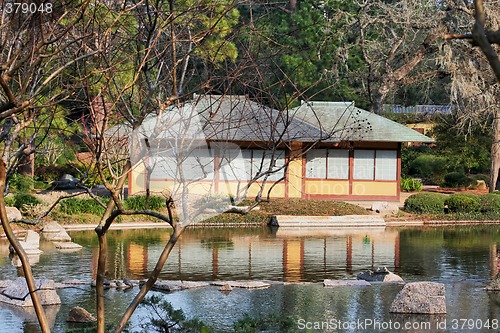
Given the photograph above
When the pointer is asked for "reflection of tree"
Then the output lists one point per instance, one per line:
(217, 243)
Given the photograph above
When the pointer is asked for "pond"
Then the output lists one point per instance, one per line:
(464, 258)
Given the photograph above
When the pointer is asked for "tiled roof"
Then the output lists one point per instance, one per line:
(237, 118)
(345, 122)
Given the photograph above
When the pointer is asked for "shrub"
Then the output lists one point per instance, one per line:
(460, 203)
(9, 201)
(427, 203)
(73, 206)
(50, 173)
(138, 202)
(429, 167)
(457, 179)
(411, 184)
(20, 183)
(20, 199)
(490, 203)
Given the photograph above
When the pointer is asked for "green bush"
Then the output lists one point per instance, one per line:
(460, 203)
(457, 179)
(426, 203)
(20, 199)
(411, 184)
(49, 173)
(429, 167)
(9, 201)
(490, 203)
(138, 202)
(20, 183)
(73, 206)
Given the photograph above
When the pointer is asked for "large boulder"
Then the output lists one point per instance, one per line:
(381, 274)
(31, 243)
(80, 315)
(385, 208)
(13, 213)
(17, 293)
(53, 232)
(420, 297)
(66, 182)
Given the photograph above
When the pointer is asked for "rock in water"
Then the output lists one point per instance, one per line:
(80, 315)
(226, 287)
(420, 297)
(54, 232)
(381, 274)
(17, 293)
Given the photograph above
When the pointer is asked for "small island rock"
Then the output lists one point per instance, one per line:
(80, 315)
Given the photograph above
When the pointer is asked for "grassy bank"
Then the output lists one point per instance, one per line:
(297, 207)
(84, 211)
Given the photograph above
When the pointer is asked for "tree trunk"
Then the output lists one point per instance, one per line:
(152, 279)
(377, 102)
(30, 281)
(27, 166)
(495, 153)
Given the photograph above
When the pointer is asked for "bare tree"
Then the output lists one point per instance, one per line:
(31, 65)
(398, 41)
(476, 83)
(152, 57)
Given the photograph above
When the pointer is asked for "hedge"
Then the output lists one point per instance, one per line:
(426, 203)
(463, 203)
(490, 203)
(457, 179)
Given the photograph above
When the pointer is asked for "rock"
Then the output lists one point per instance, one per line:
(17, 293)
(67, 246)
(13, 213)
(80, 315)
(327, 283)
(5, 283)
(420, 297)
(31, 243)
(178, 285)
(33, 259)
(128, 283)
(494, 285)
(226, 287)
(66, 182)
(481, 185)
(383, 207)
(54, 232)
(381, 274)
(243, 284)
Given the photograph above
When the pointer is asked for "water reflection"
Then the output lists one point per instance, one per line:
(209, 254)
(462, 257)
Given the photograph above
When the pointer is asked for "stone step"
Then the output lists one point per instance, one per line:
(327, 221)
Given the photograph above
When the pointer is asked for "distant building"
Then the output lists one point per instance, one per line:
(321, 150)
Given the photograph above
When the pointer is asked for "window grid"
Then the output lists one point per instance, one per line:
(326, 157)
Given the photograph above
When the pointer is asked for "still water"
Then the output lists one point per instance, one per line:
(464, 258)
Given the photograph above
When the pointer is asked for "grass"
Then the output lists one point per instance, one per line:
(289, 207)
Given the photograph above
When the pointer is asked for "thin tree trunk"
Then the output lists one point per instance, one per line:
(28, 274)
(495, 153)
(152, 279)
(101, 271)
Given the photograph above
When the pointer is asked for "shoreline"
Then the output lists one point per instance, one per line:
(164, 225)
